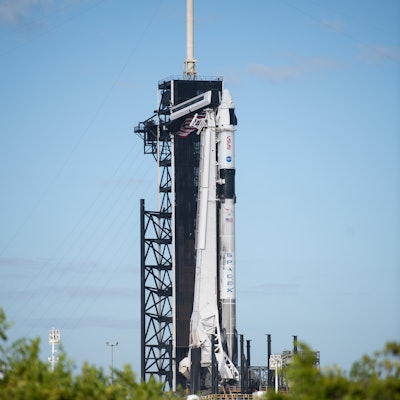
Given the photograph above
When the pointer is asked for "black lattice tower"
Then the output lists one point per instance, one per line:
(168, 256)
(156, 263)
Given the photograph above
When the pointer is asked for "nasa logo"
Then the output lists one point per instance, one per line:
(228, 158)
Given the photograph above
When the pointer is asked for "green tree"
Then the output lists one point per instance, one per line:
(4, 326)
(378, 376)
(375, 377)
(26, 377)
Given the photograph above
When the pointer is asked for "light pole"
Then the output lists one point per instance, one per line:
(112, 345)
(275, 362)
(54, 338)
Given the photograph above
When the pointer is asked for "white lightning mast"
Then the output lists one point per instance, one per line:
(190, 62)
(54, 338)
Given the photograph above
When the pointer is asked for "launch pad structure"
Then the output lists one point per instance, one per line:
(168, 255)
(188, 285)
(188, 304)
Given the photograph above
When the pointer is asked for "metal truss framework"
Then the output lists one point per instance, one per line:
(156, 266)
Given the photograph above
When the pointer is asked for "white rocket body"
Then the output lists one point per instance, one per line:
(225, 123)
(216, 196)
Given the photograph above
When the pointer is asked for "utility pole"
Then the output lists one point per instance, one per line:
(112, 345)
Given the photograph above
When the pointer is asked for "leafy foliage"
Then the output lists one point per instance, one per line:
(23, 376)
(375, 377)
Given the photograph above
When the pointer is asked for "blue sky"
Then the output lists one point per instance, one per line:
(317, 91)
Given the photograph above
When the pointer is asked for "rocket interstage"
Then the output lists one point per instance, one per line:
(225, 126)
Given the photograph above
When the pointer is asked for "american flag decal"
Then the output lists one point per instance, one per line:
(189, 125)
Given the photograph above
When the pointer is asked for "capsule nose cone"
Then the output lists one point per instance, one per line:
(226, 101)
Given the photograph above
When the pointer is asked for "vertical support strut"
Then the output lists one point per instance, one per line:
(142, 291)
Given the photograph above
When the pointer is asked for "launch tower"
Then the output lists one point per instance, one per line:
(168, 235)
(188, 241)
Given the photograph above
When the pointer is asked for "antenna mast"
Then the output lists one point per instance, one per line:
(190, 62)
